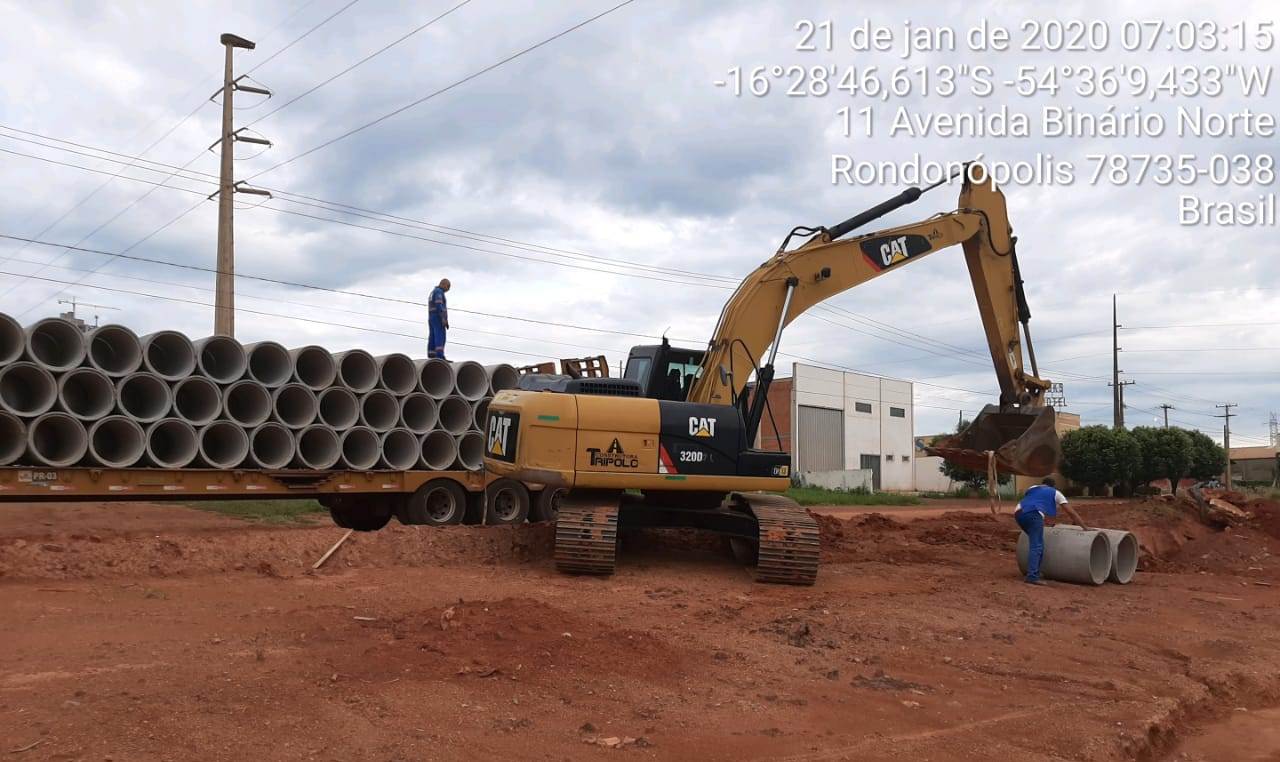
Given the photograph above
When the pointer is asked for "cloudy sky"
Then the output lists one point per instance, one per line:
(593, 193)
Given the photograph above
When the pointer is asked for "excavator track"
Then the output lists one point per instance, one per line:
(789, 540)
(586, 537)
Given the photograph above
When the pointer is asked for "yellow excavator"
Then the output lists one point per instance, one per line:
(672, 442)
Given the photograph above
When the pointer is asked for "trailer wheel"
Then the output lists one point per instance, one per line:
(438, 503)
(362, 515)
(506, 502)
(547, 506)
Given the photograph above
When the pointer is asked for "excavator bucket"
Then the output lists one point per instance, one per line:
(1023, 442)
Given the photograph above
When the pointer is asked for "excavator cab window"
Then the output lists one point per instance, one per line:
(664, 372)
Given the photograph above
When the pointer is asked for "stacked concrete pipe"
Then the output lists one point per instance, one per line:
(418, 413)
(247, 403)
(172, 443)
(13, 438)
(271, 446)
(435, 378)
(439, 450)
(357, 370)
(197, 400)
(339, 408)
(470, 381)
(144, 397)
(223, 445)
(57, 440)
(27, 390)
(169, 355)
(294, 405)
(221, 359)
(361, 448)
(55, 344)
(397, 374)
(86, 393)
(1071, 554)
(116, 442)
(1124, 551)
(13, 340)
(401, 449)
(471, 451)
(268, 363)
(318, 448)
(313, 367)
(114, 350)
(501, 377)
(455, 415)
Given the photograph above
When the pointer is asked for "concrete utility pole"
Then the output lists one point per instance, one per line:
(224, 300)
(1117, 396)
(1166, 407)
(1227, 415)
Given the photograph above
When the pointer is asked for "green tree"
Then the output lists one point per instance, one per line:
(1208, 459)
(1166, 454)
(974, 480)
(1098, 456)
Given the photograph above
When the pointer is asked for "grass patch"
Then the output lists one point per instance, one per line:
(270, 511)
(820, 496)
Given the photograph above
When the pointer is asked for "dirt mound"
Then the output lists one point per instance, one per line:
(971, 529)
(1266, 515)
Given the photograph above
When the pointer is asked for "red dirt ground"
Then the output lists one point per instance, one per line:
(151, 632)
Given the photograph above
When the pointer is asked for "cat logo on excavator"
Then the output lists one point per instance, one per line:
(702, 427)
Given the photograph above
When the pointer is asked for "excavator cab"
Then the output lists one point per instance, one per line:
(664, 372)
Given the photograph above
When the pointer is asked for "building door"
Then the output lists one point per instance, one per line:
(872, 464)
(820, 436)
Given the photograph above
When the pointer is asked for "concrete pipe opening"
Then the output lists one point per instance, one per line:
(318, 448)
(455, 415)
(1124, 553)
(1071, 554)
(471, 451)
(271, 445)
(26, 389)
(13, 438)
(57, 439)
(418, 413)
(397, 374)
(470, 380)
(197, 400)
(55, 344)
(357, 370)
(379, 410)
(221, 358)
(115, 350)
(435, 377)
(339, 408)
(400, 449)
(501, 376)
(169, 355)
(86, 393)
(248, 403)
(361, 448)
(144, 397)
(117, 442)
(13, 340)
(479, 412)
(223, 444)
(438, 450)
(172, 443)
(295, 405)
(313, 367)
(269, 363)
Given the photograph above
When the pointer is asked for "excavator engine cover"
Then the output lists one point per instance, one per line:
(1023, 442)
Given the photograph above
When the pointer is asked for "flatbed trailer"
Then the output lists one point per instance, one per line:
(361, 500)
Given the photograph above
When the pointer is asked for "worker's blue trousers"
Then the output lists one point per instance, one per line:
(435, 337)
(1033, 524)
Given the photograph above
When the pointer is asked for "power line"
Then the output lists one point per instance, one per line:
(301, 37)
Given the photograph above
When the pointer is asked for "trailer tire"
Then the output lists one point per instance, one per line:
(506, 502)
(360, 514)
(547, 506)
(438, 503)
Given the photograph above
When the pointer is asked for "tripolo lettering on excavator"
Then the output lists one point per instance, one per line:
(614, 456)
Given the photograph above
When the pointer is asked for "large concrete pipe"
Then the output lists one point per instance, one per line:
(269, 363)
(221, 358)
(295, 405)
(56, 439)
(357, 370)
(501, 376)
(13, 340)
(116, 442)
(1124, 552)
(361, 448)
(397, 374)
(172, 443)
(114, 350)
(169, 355)
(271, 445)
(470, 380)
(400, 450)
(314, 367)
(339, 408)
(379, 410)
(247, 403)
(438, 450)
(26, 389)
(197, 400)
(471, 451)
(56, 344)
(455, 415)
(223, 444)
(479, 412)
(86, 393)
(418, 413)
(1071, 554)
(13, 438)
(435, 377)
(318, 448)
(144, 397)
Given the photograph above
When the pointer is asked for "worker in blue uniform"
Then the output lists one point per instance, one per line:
(437, 320)
(1040, 502)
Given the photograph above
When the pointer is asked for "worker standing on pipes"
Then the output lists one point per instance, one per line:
(1040, 502)
(437, 320)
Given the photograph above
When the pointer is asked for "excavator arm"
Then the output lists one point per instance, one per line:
(793, 281)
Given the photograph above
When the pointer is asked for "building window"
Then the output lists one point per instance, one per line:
(906, 458)
(897, 412)
(889, 458)
(862, 407)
